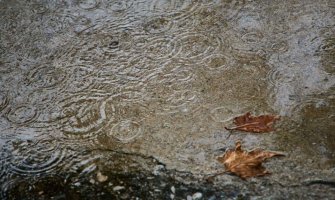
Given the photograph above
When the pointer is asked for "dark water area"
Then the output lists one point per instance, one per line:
(114, 99)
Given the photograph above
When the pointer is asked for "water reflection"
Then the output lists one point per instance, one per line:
(36, 157)
(160, 78)
(83, 115)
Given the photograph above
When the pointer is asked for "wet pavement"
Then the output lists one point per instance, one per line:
(129, 99)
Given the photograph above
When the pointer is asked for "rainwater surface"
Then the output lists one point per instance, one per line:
(128, 99)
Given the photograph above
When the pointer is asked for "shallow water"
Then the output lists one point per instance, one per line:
(135, 86)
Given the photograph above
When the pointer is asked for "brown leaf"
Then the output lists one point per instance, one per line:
(246, 164)
(255, 124)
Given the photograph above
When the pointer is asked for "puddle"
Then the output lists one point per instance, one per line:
(140, 92)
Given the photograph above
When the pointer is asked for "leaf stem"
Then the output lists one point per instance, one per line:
(242, 126)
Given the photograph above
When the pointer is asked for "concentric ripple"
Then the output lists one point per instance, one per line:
(125, 73)
(83, 116)
(22, 114)
(126, 131)
(81, 23)
(128, 114)
(88, 4)
(195, 45)
(175, 73)
(59, 23)
(4, 100)
(175, 101)
(137, 70)
(158, 25)
(253, 37)
(139, 41)
(160, 48)
(39, 8)
(118, 7)
(35, 157)
(279, 77)
(217, 62)
(278, 46)
(46, 77)
(102, 45)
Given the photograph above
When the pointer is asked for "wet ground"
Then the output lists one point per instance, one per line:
(129, 99)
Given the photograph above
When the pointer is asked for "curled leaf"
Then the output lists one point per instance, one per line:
(246, 164)
(255, 124)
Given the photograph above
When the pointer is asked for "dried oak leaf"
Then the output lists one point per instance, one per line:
(255, 124)
(246, 164)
